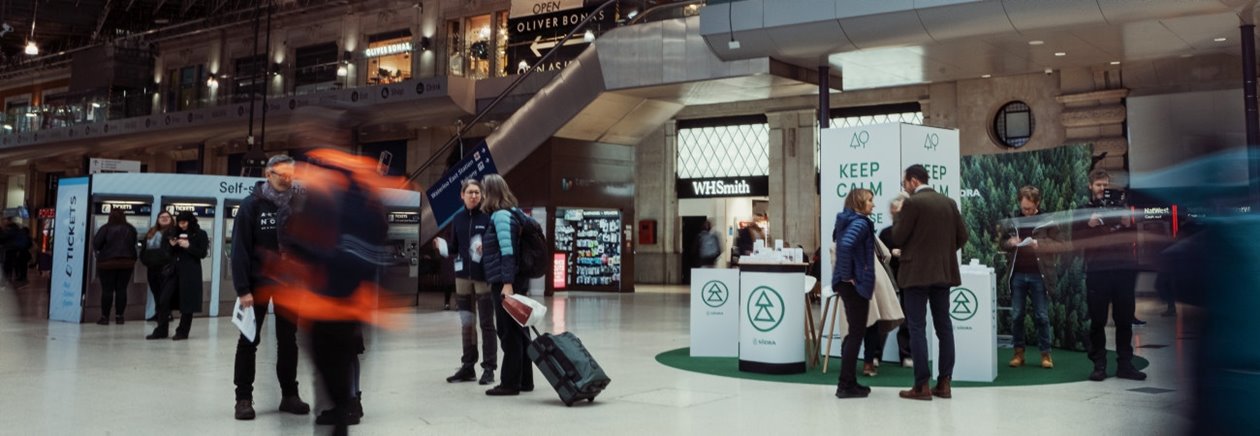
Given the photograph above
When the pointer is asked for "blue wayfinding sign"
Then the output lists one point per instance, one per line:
(444, 196)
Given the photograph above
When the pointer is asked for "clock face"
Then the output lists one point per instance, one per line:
(1013, 124)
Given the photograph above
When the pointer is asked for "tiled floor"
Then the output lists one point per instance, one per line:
(65, 379)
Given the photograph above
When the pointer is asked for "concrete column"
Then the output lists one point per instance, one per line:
(655, 199)
(794, 201)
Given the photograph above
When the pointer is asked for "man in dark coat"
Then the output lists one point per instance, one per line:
(930, 231)
(255, 238)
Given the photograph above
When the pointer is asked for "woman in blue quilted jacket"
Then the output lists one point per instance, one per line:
(498, 256)
(853, 278)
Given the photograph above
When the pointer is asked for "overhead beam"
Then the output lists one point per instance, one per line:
(188, 4)
(100, 21)
(159, 6)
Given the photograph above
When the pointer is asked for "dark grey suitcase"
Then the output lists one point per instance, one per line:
(568, 366)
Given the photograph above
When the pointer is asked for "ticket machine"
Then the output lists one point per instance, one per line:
(227, 290)
(138, 211)
(402, 274)
(204, 210)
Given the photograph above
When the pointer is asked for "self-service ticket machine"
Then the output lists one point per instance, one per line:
(402, 274)
(137, 211)
(205, 211)
(227, 290)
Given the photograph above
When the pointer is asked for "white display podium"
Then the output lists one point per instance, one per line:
(714, 312)
(772, 317)
(973, 309)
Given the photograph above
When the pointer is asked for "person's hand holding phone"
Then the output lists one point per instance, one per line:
(183, 240)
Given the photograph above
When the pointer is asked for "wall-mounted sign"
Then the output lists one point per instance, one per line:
(128, 208)
(755, 186)
(96, 166)
(404, 218)
(535, 27)
(388, 49)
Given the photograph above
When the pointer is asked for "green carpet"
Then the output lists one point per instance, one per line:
(1069, 366)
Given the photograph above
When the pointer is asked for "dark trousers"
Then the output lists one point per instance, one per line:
(918, 300)
(114, 283)
(517, 371)
(856, 309)
(15, 262)
(166, 303)
(157, 280)
(286, 355)
(876, 337)
(1114, 289)
(334, 346)
(468, 323)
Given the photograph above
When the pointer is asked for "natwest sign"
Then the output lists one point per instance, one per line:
(754, 186)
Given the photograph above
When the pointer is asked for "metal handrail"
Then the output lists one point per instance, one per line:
(466, 127)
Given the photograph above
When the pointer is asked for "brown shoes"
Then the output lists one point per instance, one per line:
(869, 370)
(942, 388)
(1046, 361)
(1018, 360)
(917, 393)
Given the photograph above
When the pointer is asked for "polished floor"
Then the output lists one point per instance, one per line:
(68, 379)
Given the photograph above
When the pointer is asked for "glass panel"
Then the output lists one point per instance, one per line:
(724, 151)
(480, 48)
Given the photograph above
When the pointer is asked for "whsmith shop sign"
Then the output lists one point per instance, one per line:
(755, 186)
(537, 26)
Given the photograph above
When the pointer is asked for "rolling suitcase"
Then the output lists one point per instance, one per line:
(567, 365)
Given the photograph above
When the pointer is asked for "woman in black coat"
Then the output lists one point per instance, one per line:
(115, 246)
(189, 245)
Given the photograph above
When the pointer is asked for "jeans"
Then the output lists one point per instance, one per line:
(856, 310)
(518, 372)
(286, 355)
(114, 283)
(1114, 289)
(917, 302)
(1031, 286)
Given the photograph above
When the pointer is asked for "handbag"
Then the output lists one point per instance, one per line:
(524, 310)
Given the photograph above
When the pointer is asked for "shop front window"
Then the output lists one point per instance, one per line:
(478, 46)
(316, 67)
(184, 87)
(389, 57)
(251, 77)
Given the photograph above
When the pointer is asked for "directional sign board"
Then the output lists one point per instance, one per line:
(537, 26)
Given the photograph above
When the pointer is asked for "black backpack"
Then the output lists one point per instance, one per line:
(532, 261)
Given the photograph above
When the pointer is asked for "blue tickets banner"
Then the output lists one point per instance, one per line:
(444, 195)
(65, 298)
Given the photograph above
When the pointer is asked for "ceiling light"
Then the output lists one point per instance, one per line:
(8, 127)
(632, 14)
(1115, 62)
(1186, 55)
(1036, 42)
(1060, 53)
(1221, 39)
(30, 115)
(986, 76)
(588, 36)
(31, 48)
(342, 71)
(96, 105)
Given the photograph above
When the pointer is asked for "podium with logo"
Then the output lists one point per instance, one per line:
(772, 317)
(973, 311)
(714, 312)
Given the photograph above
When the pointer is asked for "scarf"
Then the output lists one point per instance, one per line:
(282, 200)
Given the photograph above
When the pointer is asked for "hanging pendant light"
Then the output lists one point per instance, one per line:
(31, 48)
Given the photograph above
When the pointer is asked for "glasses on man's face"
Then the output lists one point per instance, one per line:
(280, 175)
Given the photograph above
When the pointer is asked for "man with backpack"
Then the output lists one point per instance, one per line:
(708, 246)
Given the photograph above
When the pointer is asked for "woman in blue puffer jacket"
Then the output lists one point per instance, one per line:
(853, 278)
(498, 255)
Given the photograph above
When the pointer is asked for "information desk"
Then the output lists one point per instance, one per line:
(772, 317)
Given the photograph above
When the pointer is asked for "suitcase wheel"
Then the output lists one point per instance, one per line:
(590, 400)
(568, 404)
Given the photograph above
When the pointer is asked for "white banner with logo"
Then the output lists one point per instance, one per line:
(772, 318)
(65, 300)
(714, 312)
(875, 157)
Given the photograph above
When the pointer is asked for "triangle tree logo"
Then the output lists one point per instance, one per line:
(765, 308)
(714, 294)
(963, 304)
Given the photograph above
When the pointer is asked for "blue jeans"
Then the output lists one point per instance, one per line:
(1031, 286)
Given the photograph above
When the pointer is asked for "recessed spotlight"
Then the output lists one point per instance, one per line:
(1060, 53)
(986, 76)
(1115, 62)
(1186, 55)
(1036, 42)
